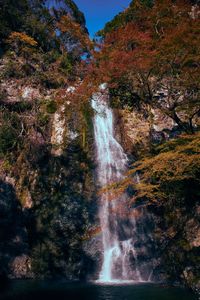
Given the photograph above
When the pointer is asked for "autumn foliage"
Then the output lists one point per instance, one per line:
(21, 42)
(155, 49)
(172, 173)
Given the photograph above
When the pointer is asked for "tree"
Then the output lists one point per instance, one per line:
(21, 43)
(156, 52)
(72, 36)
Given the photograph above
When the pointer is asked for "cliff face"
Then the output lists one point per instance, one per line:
(47, 199)
(159, 132)
(47, 186)
(48, 195)
(175, 224)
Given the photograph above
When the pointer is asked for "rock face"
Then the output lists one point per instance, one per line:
(47, 199)
(175, 223)
(139, 129)
(46, 237)
(48, 206)
(14, 247)
(46, 171)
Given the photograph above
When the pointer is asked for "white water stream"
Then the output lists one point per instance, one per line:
(119, 255)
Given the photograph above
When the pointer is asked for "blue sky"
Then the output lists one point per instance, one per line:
(98, 12)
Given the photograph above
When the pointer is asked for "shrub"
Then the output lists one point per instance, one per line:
(21, 43)
(3, 95)
(12, 69)
(22, 106)
(66, 65)
(42, 119)
(8, 138)
(51, 107)
(49, 80)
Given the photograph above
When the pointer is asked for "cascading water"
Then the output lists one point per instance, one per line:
(119, 255)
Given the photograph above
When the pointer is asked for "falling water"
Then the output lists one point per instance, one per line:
(119, 255)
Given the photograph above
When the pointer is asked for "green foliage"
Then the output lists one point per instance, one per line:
(31, 17)
(22, 106)
(8, 139)
(66, 64)
(51, 107)
(87, 114)
(42, 119)
(12, 69)
(77, 14)
(49, 80)
(51, 57)
(26, 24)
(112, 25)
(12, 16)
(9, 131)
(124, 17)
(61, 215)
(7, 166)
(124, 95)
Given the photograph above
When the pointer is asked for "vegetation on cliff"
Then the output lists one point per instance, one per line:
(149, 56)
(46, 164)
(152, 56)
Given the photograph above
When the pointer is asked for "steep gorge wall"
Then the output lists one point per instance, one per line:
(46, 148)
(175, 227)
(48, 188)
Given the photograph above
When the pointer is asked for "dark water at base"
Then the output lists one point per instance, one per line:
(40, 290)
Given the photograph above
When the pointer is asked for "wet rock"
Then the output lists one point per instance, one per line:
(192, 280)
(193, 233)
(21, 266)
(13, 235)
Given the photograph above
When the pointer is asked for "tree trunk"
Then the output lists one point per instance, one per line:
(183, 126)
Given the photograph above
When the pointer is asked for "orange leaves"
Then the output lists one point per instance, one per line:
(20, 37)
(21, 43)
(177, 161)
(128, 37)
(67, 25)
(125, 51)
(150, 39)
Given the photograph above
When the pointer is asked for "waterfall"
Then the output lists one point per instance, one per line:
(118, 230)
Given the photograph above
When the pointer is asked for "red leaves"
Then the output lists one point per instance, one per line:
(167, 35)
